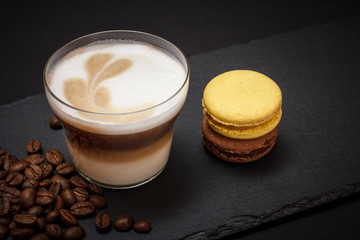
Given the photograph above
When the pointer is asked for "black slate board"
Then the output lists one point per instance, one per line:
(199, 196)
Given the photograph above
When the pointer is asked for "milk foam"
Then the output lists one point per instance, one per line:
(150, 76)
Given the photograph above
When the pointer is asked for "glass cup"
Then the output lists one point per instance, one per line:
(127, 148)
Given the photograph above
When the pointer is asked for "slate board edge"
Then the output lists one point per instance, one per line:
(241, 223)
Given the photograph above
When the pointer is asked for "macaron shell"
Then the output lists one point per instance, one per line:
(241, 98)
(235, 150)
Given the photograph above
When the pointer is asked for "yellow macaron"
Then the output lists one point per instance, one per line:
(242, 104)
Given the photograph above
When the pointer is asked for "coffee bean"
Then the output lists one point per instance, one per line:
(54, 157)
(14, 179)
(55, 123)
(98, 201)
(74, 233)
(3, 232)
(15, 209)
(5, 220)
(78, 182)
(3, 174)
(40, 236)
(102, 222)
(80, 194)
(44, 198)
(35, 158)
(46, 183)
(27, 198)
(25, 220)
(96, 189)
(52, 216)
(3, 184)
(53, 231)
(82, 209)
(41, 223)
(69, 197)
(22, 233)
(123, 223)
(19, 166)
(33, 146)
(67, 218)
(63, 181)
(4, 206)
(59, 202)
(33, 172)
(47, 169)
(30, 183)
(35, 210)
(65, 169)
(142, 226)
(12, 194)
(8, 160)
(55, 188)
(12, 225)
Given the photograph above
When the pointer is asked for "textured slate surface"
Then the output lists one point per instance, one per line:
(199, 196)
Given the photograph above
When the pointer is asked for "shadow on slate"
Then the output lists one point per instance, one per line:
(198, 196)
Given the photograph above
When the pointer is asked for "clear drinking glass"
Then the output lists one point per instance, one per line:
(122, 149)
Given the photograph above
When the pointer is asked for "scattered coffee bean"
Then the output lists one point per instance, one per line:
(98, 201)
(65, 169)
(46, 183)
(54, 157)
(59, 202)
(25, 220)
(40, 236)
(27, 198)
(5, 220)
(52, 216)
(82, 209)
(35, 210)
(4, 206)
(55, 123)
(44, 198)
(78, 182)
(33, 172)
(123, 223)
(14, 179)
(33, 183)
(12, 194)
(81, 194)
(55, 188)
(47, 169)
(3, 232)
(67, 218)
(63, 181)
(69, 197)
(33, 146)
(96, 189)
(41, 223)
(3, 174)
(15, 209)
(8, 160)
(35, 158)
(102, 222)
(22, 233)
(74, 233)
(142, 226)
(54, 231)
(19, 166)
(12, 225)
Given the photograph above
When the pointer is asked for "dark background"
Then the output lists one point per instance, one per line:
(33, 30)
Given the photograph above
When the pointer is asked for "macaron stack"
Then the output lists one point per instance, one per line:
(242, 110)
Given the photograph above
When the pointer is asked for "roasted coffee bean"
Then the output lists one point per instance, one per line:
(3, 174)
(3, 232)
(82, 209)
(35, 158)
(33, 172)
(41, 223)
(142, 226)
(102, 222)
(53, 231)
(63, 181)
(5, 220)
(30, 183)
(14, 179)
(22, 233)
(41, 189)
(55, 188)
(78, 182)
(96, 189)
(35, 210)
(55, 123)
(67, 218)
(15, 209)
(12, 225)
(40, 236)
(80, 194)
(8, 160)
(4, 206)
(27, 198)
(59, 202)
(19, 166)
(69, 197)
(65, 169)
(3, 184)
(52, 216)
(98, 201)
(44, 198)
(123, 223)
(12, 194)
(54, 157)
(25, 220)
(46, 183)
(33, 146)
(47, 169)
(74, 233)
